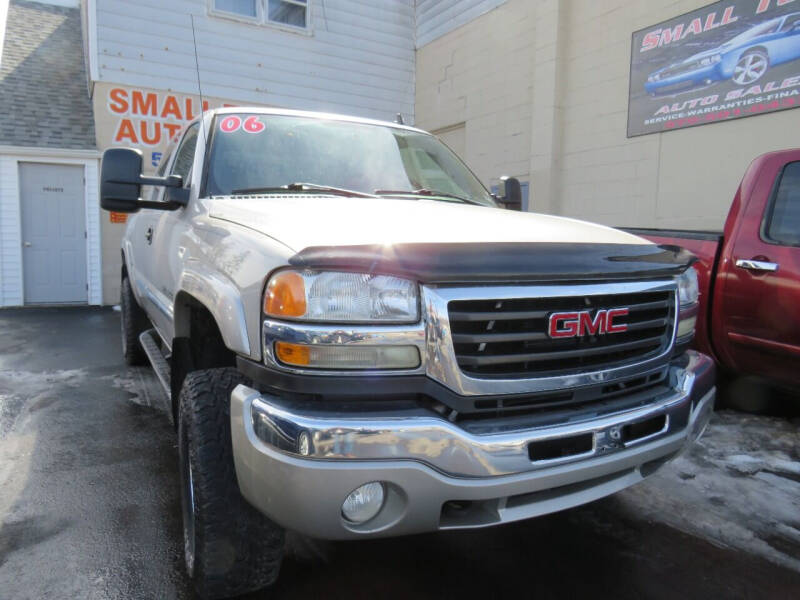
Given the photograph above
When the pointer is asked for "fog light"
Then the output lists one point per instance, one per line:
(347, 357)
(686, 326)
(363, 503)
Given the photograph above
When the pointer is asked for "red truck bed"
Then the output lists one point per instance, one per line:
(705, 245)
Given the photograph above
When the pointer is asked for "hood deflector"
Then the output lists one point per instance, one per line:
(500, 262)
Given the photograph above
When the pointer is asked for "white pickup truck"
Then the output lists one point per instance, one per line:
(358, 341)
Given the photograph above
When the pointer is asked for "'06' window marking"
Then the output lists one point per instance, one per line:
(232, 123)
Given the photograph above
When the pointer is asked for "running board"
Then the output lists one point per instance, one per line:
(149, 342)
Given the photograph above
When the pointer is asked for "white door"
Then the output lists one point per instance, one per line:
(53, 233)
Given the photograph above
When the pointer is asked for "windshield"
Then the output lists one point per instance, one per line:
(761, 29)
(252, 151)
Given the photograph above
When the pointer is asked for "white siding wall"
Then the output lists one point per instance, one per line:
(94, 268)
(438, 17)
(358, 58)
(10, 242)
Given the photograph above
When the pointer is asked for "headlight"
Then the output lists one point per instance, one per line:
(341, 297)
(709, 60)
(688, 298)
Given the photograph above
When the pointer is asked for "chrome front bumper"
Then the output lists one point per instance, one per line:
(438, 475)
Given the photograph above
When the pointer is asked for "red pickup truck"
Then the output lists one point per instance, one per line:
(749, 275)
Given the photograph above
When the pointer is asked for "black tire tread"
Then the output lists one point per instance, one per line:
(134, 323)
(237, 549)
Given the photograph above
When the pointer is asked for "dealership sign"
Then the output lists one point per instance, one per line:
(143, 118)
(729, 60)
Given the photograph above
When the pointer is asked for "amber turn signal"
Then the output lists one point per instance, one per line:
(285, 295)
(293, 354)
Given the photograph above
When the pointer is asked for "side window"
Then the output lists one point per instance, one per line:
(162, 166)
(154, 192)
(185, 155)
(784, 221)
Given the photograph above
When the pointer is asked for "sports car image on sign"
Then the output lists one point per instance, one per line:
(744, 59)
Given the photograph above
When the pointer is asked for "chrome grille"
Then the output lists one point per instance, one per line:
(509, 337)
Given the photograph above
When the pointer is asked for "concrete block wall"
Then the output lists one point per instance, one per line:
(683, 179)
(477, 75)
(560, 68)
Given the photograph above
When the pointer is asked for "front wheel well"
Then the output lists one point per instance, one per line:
(198, 344)
(754, 49)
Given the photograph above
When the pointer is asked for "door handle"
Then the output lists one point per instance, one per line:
(149, 235)
(756, 265)
(27, 244)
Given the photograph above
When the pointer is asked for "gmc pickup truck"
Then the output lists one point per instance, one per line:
(749, 275)
(358, 341)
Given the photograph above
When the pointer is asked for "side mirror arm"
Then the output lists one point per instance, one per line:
(170, 181)
(177, 195)
(502, 201)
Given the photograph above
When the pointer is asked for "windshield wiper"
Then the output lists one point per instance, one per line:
(427, 193)
(302, 187)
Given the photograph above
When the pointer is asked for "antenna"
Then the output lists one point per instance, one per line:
(399, 119)
(199, 87)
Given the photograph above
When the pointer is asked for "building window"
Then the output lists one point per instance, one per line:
(288, 12)
(242, 8)
(284, 13)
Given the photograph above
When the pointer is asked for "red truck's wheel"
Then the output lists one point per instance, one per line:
(230, 548)
(134, 323)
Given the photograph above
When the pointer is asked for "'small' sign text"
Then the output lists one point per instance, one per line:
(659, 37)
(150, 118)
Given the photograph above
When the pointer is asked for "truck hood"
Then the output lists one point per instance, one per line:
(300, 221)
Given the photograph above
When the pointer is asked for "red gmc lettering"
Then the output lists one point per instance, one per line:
(611, 315)
(592, 326)
(573, 324)
(570, 325)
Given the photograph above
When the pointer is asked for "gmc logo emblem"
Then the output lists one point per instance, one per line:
(574, 324)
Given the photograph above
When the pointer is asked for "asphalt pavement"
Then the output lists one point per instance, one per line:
(90, 508)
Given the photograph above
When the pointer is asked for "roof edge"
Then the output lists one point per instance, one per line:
(49, 151)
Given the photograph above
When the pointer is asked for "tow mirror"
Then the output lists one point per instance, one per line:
(509, 193)
(121, 182)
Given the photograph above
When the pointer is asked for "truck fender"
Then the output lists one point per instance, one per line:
(222, 300)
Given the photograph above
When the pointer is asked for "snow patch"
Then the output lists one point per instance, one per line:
(19, 389)
(143, 388)
(739, 487)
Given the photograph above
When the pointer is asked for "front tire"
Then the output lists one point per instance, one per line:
(230, 548)
(134, 323)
